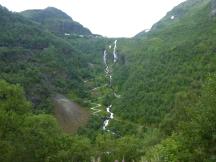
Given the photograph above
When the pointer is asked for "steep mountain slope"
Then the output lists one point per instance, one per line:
(44, 64)
(56, 21)
(165, 109)
(41, 62)
(171, 59)
(161, 82)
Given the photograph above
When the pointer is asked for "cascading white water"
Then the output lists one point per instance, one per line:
(108, 73)
(104, 57)
(106, 122)
(115, 57)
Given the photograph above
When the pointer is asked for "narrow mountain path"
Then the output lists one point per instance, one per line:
(96, 88)
(95, 109)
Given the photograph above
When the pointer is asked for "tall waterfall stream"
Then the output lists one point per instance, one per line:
(108, 73)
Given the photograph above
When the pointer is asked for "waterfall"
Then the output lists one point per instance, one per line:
(108, 73)
(115, 57)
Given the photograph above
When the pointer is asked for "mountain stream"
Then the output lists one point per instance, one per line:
(108, 73)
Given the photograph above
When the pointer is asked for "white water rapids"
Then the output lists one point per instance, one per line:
(108, 72)
(114, 52)
(106, 122)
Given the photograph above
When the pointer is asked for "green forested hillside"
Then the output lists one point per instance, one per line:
(27, 137)
(41, 62)
(56, 21)
(161, 82)
(166, 63)
(165, 80)
(38, 65)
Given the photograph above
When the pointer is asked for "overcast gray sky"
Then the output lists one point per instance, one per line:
(112, 18)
